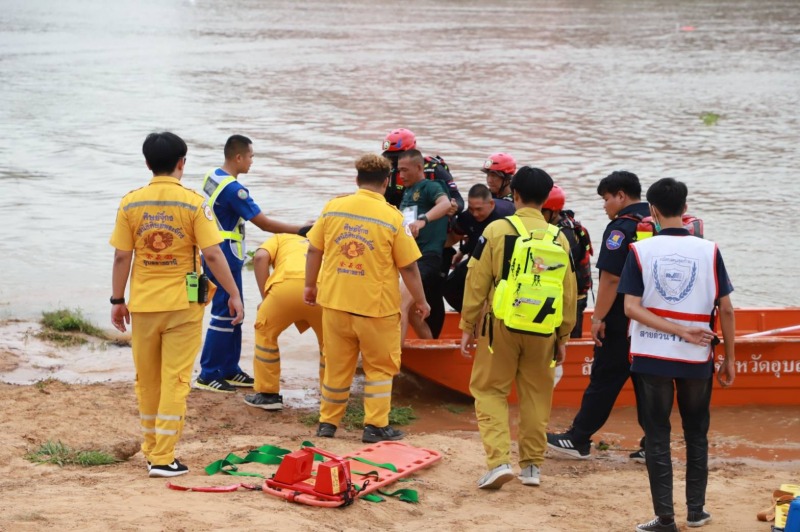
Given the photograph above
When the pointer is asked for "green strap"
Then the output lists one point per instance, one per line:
(266, 454)
(387, 465)
(404, 494)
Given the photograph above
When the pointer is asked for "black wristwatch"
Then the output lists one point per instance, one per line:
(423, 217)
(118, 301)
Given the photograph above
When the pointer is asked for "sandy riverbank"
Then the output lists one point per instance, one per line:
(753, 451)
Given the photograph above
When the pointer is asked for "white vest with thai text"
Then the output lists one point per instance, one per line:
(680, 285)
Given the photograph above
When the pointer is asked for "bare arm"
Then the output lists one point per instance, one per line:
(219, 267)
(313, 265)
(261, 263)
(606, 294)
(727, 371)
(119, 280)
(271, 225)
(413, 282)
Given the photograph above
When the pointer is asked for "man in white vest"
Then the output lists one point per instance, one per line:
(673, 283)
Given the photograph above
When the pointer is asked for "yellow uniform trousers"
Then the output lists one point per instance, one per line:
(524, 359)
(282, 306)
(165, 345)
(378, 340)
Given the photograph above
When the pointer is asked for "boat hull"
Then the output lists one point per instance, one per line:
(768, 367)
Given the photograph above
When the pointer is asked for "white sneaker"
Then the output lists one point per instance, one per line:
(529, 476)
(494, 479)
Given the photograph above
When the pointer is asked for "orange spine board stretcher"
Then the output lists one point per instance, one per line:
(297, 482)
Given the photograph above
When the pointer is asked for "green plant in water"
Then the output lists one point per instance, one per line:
(66, 320)
(710, 119)
(57, 453)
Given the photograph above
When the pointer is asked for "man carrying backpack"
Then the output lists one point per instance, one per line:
(580, 247)
(521, 335)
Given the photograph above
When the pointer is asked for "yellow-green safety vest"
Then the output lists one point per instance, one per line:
(212, 188)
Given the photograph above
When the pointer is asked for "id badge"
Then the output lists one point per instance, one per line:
(409, 215)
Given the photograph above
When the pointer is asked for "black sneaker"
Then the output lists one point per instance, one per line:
(170, 470)
(698, 519)
(241, 380)
(326, 430)
(638, 456)
(266, 401)
(214, 386)
(373, 434)
(563, 444)
(657, 525)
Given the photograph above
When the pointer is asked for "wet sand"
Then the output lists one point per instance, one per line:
(753, 451)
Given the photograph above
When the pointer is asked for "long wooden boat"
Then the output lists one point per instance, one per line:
(767, 361)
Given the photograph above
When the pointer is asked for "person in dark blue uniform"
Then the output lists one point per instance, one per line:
(482, 210)
(621, 192)
(233, 207)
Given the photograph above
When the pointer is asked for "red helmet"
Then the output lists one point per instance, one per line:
(502, 163)
(399, 140)
(555, 201)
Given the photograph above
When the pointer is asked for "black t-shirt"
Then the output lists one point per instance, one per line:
(620, 233)
(467, 225)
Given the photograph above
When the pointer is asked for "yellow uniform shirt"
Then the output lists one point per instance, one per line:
(486, 271)
(162, 223)
(288, 257)
(364, 243)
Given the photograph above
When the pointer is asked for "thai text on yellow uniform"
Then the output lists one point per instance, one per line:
(364, 243)
(165, 225)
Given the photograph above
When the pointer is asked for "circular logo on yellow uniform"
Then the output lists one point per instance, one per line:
(208, 213)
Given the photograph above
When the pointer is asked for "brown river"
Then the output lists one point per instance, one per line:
(579, 88)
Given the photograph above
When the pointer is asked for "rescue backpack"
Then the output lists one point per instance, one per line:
(583, 264)
(646, 228)
(435, 168)
(529, 299)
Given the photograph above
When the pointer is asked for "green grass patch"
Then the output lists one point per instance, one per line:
(60, 338)
(66, 320)
(42, 385)
(710, 119)
(354, 416)
(455, 409)
(57, 453)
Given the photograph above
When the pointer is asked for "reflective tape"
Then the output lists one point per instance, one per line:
(163, 417)
(334, 401)
(377, 383)
(336, 390)
(267, 360)
(221, 318)
(146, 416)
(377, 395)
(166, 432)
(148, 430)
(267, 349)
(220, 329)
